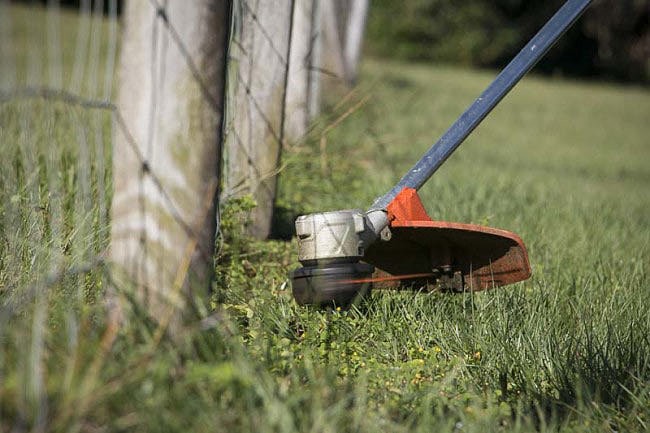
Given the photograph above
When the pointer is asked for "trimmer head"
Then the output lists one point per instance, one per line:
(415, 250)
(331, 245)
(335, 285)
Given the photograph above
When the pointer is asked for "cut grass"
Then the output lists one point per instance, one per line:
(564, 164)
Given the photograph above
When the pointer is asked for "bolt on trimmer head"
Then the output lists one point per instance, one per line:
(341, 250)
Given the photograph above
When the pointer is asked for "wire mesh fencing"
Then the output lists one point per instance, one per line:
(281, 56)
(57, 78)
(56, 121)
(122, 126)
(79, 154)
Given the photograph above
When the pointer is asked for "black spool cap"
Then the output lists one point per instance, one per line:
(332, 284)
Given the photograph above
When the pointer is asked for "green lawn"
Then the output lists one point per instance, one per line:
(563, 164)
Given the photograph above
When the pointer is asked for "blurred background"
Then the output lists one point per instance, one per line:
(612, 40)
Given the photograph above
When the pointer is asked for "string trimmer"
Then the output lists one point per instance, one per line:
(340, 250)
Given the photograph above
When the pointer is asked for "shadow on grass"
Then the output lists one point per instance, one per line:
(282, 224)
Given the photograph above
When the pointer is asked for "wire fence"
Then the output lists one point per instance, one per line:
(118, 140)
(56, 121)
(57, 117)
(254, 133)
(86, 166)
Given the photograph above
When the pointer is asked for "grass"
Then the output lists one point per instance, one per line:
(569, 347)
(564, 164)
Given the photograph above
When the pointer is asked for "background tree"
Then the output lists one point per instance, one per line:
(612, 41)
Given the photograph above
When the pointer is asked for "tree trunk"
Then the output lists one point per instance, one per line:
(167, 150)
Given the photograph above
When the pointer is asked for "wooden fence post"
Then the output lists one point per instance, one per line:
(166, 150)
(343, 24)
(257, 100)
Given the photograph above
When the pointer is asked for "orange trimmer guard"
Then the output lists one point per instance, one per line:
(453, 256)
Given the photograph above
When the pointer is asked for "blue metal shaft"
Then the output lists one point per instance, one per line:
(472, 117)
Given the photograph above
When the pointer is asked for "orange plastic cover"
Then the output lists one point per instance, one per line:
(484, 256)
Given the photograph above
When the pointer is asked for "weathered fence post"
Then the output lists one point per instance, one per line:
(343, 23)
(166, 150)
(355, 26)
(257, 101)
(303, 80)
